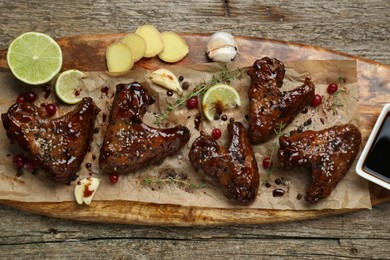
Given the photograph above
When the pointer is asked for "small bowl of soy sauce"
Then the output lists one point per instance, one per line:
(374, 162)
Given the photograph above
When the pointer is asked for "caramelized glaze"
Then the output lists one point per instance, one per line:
(329, 154)
(268, 105)
(129, 144)
(233, 168)
(59, 145)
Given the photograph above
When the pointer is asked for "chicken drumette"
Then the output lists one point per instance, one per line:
(233, 168)
(269, 107)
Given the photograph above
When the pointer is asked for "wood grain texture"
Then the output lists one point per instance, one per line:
(350, 236)
(359, 28)
(87, 53)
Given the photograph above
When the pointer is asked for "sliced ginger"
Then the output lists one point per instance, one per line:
(146, 42)
(137, 44)
(175, 47)
(153, 39)
(119, 58)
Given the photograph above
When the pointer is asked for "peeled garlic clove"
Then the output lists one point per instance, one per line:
(224, 54)
(85, 190)
(221, 46)
(166, 79)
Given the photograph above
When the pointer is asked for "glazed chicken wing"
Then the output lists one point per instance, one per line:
(129, 144)
(58, 146)
(328, 153)
(269, 107)
(234, 167)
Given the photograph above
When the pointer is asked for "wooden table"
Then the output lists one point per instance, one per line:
(360, 28)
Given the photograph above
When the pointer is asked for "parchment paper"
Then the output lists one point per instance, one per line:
(351, 192)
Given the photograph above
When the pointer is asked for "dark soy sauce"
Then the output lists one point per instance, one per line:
(377, 162)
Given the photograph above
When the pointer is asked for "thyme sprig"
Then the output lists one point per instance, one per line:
(172, 180)
(225, 76)
(336, 103)
(275, 145)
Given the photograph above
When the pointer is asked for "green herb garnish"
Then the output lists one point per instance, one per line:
(225, 76)
(172, 180)
(275, 145)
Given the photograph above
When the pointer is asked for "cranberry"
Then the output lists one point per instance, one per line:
(21, 99)
(114, 177)
(216, 133)
(267, 163)
(316, 101)
(29, 165)
(332, 88)
(192, 103)
(18, 161)
(30, 96)
(51, 109)
(169, 93)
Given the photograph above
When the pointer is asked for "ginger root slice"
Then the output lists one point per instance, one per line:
(153, 39)
(119, 58)
(137, 44)
(175, 47)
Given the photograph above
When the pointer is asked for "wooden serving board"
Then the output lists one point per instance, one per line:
(87, 53)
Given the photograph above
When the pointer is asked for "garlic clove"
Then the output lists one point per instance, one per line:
(85, 190)
(221, 46)
(167, 79)
(224, 54)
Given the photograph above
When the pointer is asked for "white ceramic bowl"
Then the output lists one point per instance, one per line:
(378, 179)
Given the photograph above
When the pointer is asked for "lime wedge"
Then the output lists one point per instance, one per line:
(218, 98)
(66, 86)
(34, 58)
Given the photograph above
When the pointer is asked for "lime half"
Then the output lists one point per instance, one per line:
(34, 58)
(67, 86)
(218, 98)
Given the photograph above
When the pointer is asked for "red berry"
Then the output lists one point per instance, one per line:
(332, 88)
(267, 163)
(114, 177)
(316, 101)
(29, 165)
(51, 109)
(21, 99)
(216, 133)
(30, 96)
(18, 161)
(192, 103)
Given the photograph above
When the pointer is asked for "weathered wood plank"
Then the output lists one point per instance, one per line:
(366, 224)
(88, 53)
(204, 249)
(358, 27)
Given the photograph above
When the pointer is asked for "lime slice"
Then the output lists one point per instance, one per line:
(218, 98)
(66, 86)
(34, 58)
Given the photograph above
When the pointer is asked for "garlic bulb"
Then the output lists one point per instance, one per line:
(221, 47)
